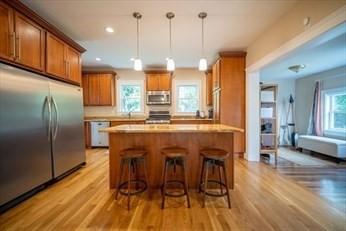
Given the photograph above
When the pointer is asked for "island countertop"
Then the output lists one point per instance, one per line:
(172, 128)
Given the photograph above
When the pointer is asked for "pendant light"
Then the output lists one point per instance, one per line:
(170, 61)
(137, 62)
(202, 66)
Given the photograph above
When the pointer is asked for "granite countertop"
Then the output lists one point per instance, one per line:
(171, 128)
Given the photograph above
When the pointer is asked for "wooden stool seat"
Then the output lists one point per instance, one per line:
(174, 152)
(133, 153)
(214, 153)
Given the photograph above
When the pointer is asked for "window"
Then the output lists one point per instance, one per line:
(187, 97)
(335, 111)
(130, 96)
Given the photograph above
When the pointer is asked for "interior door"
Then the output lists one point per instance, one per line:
(25, 151)
(68, 128)
(29, 42)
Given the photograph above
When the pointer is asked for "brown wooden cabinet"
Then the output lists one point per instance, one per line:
(62, 60)
(7, 37)
(229, 99)
(209, 88)
(30, 42)
(99, 89)
(158, 81)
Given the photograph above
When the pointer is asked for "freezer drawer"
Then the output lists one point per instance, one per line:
(99, 139)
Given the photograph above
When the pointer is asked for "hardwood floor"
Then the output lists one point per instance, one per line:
(263, 199)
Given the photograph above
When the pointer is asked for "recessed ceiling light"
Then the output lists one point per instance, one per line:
(98, 59)
(109, 29)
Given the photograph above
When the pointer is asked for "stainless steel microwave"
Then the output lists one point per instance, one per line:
(158, 97)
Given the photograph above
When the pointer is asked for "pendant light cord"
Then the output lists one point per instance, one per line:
(170, 39)
(202, 37)
(137, 38)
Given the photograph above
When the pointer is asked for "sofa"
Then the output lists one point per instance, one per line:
(328, 146)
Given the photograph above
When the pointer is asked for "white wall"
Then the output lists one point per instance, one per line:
(305, 90)
(183, 74)
(286, 87)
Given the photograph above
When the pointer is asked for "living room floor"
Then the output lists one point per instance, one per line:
(318, 173)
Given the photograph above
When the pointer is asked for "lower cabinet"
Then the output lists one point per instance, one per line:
(192, 121)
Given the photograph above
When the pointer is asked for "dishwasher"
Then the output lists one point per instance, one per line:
(99, 139)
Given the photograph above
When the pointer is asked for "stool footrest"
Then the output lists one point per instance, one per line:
(140, 190)
(175, 194)
(201, 189)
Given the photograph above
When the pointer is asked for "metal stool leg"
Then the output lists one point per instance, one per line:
(220, 178)
(119, 178)
(205, 182)
(186, 183)
(164, 185)
(129, 185)
(201, 176)
(226, 182)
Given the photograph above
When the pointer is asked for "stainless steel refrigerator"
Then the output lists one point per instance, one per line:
(41, 131)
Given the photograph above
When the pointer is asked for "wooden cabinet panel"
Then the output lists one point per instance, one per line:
(74, 71)
(55, 56)
(85, 86)
(29, 42)
(209, 89)
(229, 100)
(191, 121)
(106, 92)
(152, 82)
(165, 82)
(7, 36)
(116, 123)
(87, 134)
(98, 89)
(93, 89)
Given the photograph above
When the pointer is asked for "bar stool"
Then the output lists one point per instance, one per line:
(131, 157)
(214, 157)
(174, 156)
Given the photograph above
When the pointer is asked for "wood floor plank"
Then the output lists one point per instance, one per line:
(264, 199)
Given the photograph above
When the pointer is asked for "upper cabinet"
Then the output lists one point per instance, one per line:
(62, 60)
(30, 42)
(209, 88)
(7, 38)
(216, 74)
(158, 81)
(98, 88)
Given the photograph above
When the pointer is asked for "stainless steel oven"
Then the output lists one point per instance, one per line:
(158, 97)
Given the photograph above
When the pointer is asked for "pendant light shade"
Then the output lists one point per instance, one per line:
(170, 61)
(203, 65)
(137, 62)
(170, 64)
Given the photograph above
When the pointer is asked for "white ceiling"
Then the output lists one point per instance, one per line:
(325, 52)
(230, 25)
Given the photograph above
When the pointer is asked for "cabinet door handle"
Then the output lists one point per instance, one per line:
(17, 45)
(13, 44)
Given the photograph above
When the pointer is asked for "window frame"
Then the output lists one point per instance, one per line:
(327, 110)
(121, 83)
(176, 85)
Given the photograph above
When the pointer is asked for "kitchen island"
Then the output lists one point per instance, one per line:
(153, 138)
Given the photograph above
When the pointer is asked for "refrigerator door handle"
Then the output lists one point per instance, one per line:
(49, 119)
(56, 122)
